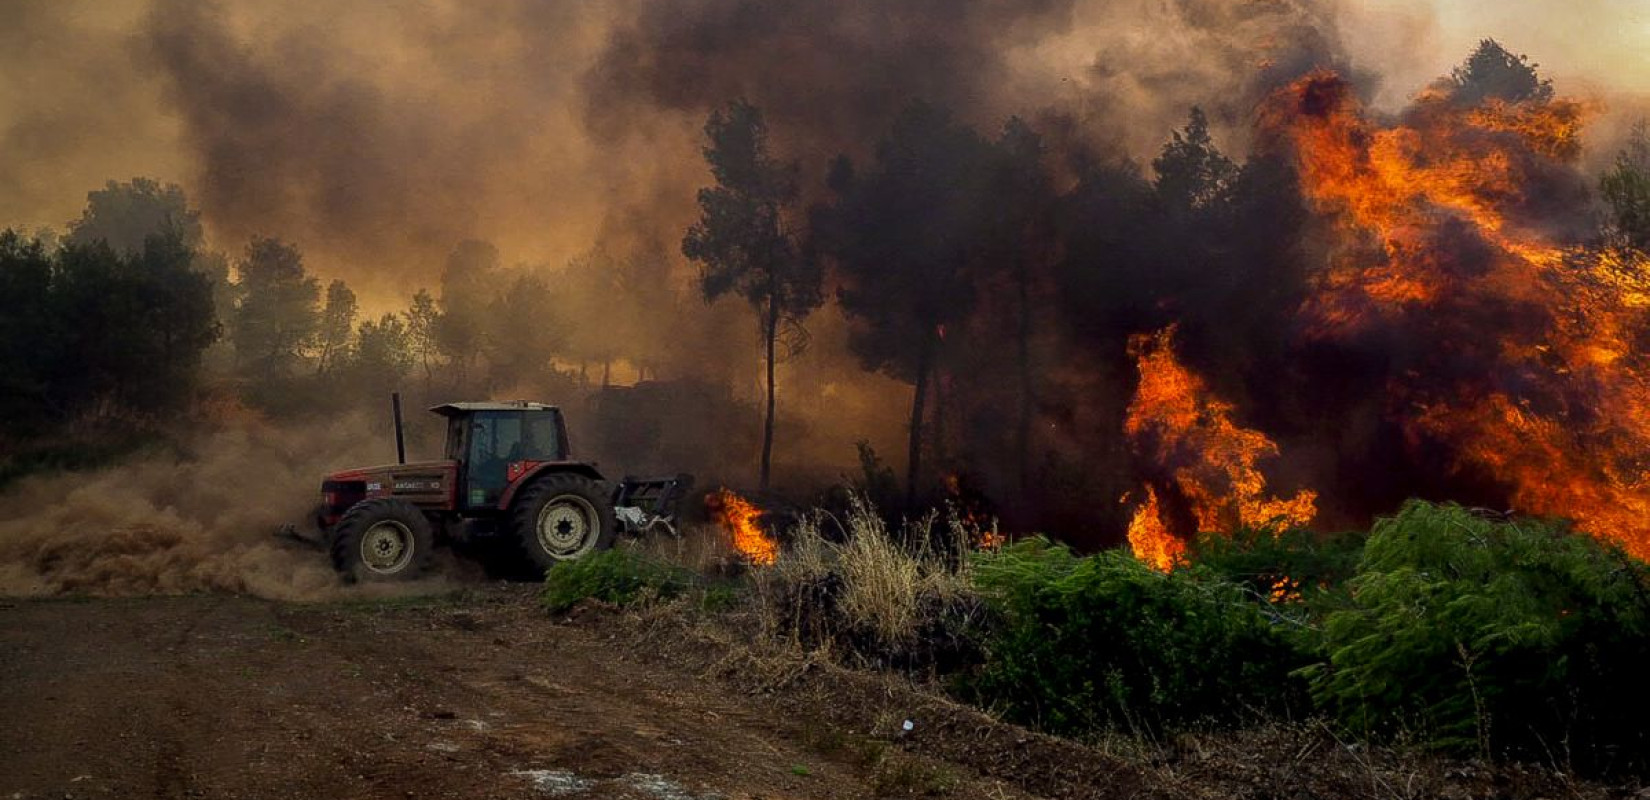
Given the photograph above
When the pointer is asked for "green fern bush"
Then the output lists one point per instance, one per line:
(1105, 641)
(1492, 637)
(620, 576)
(1292, 566)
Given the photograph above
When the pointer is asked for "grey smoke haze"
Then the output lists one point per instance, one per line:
(377, 135)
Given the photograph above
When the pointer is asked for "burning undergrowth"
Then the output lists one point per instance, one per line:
(742, 522)
(1442, 628)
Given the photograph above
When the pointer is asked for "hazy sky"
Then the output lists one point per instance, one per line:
(1598, 44)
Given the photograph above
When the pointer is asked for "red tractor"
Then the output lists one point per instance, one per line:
(508, 473)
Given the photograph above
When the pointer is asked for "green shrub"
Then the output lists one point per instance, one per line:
(1506, 638)
(619, 576)
(1107, 641)
(716, 598)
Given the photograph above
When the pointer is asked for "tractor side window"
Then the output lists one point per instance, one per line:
(495, 441)
(455, 438)
(539, 437)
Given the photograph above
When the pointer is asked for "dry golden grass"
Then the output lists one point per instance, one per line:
(868, 588)
(703, 548)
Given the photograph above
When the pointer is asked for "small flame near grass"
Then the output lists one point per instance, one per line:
(741, 520)
(970, 513)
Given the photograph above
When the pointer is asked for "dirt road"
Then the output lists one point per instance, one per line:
(214, 696)
(483, 695)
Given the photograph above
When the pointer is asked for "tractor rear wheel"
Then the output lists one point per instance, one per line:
(382, 539)
(561, 518)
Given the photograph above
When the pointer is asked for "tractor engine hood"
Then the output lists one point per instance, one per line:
(430, 484)
(387, 471)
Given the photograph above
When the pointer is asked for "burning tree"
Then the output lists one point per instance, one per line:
(1204, 468)
(745, 243)
(1514, 347)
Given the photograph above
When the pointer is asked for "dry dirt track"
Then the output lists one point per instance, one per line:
(214, 696)
(483, 695)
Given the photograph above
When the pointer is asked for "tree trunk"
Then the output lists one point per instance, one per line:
(1022, 444)
(940, 456)
(919, 398)
(607, 373)
(772, 333)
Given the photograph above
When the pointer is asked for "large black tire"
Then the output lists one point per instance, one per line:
(563, 517)
(382, 539)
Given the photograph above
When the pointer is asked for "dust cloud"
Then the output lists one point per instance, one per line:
(201, 519)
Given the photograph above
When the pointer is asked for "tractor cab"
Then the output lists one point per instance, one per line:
(495, 443)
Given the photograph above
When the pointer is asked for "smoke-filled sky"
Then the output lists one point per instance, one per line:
(375, 135)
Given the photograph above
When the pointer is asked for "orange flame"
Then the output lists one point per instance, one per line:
(1177, 425)
(1150, 538)
(1434, 214)
(971, 514)
(1285, 590)
(741, 520)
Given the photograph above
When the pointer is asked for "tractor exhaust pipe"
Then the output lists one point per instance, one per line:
(400, 441)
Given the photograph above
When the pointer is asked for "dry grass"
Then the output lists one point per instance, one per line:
(867, 595)
(703, 548)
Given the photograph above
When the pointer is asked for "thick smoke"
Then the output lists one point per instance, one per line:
(1144, 63)
(830, 73)
(379, 136)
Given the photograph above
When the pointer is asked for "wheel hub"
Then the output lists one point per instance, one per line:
(386, 547)
(565, 526)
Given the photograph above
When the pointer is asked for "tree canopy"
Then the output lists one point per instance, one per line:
(1494, 73)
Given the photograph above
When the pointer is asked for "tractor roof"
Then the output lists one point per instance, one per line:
(460, 409)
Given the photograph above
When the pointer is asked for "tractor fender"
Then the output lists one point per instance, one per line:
(533, 472)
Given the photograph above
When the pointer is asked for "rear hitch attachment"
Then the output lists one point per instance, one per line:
(644, 504)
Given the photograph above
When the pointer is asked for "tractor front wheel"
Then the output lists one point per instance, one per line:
(382, 539)
(562, 518)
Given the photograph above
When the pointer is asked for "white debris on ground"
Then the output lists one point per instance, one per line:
(555, 782)
(560, 782)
